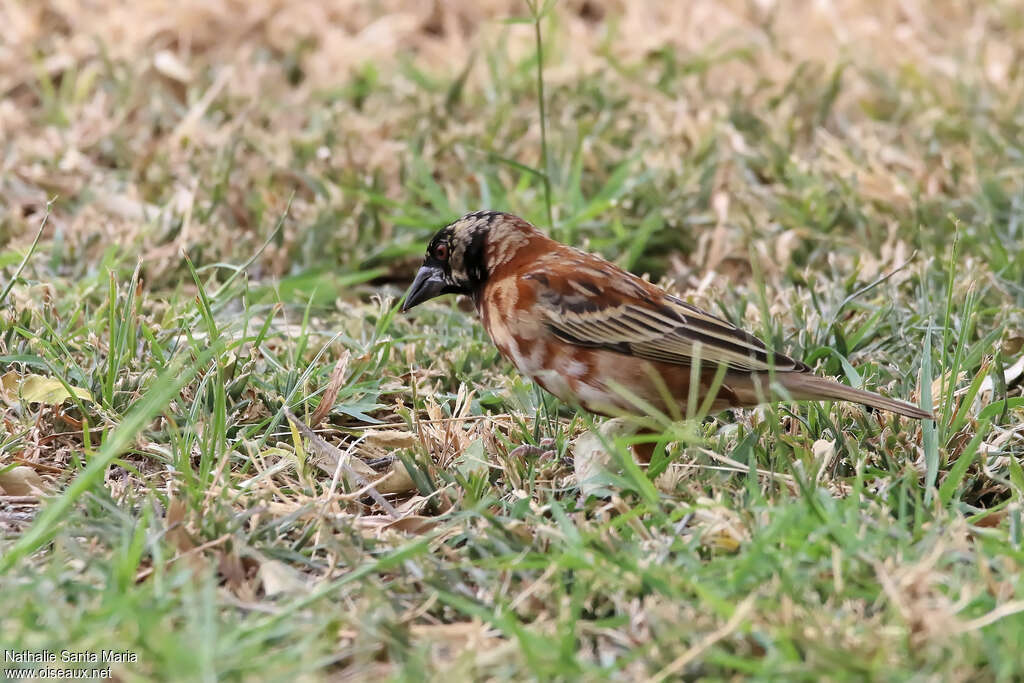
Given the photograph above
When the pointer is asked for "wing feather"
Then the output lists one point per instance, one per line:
(664, 329)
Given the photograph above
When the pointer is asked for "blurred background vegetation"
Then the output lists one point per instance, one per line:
(811, 130)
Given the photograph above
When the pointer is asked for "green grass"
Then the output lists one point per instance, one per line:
(862, 209)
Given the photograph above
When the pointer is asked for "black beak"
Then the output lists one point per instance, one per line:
(428, 283)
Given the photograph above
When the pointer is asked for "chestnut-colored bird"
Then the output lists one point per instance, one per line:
(601, 338)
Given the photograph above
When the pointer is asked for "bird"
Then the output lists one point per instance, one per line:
(600, 338)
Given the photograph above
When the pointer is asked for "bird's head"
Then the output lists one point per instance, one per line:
(457, 257)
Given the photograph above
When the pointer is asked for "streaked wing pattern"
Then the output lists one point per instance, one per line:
(665, 329)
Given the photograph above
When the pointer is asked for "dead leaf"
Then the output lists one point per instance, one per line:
(168, 64)
(330, 396)
(721, 541)
(277, 578)
(992, 520)
(1010, 375)
(459, 632)
(943, 382)
(521, 530)
(720, 527)
(397, 480)
(390, 439)
(413, 524)
(238, 572)
(591, 461)
(39, 389)
(785, 245)
(177, 535)
(360, 468)
(231, 568)
(1013, 344)
(824, 451)
(22, 481)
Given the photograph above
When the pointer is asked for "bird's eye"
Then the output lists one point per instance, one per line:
(441, 252)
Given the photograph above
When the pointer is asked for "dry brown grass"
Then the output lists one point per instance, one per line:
(171, 84)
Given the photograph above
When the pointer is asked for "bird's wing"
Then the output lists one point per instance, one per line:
(606, 307)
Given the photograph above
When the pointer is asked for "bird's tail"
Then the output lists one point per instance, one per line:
(803, 386)
(807, 387)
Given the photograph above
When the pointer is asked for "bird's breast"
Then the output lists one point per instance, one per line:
(514, 326)
(518, 328)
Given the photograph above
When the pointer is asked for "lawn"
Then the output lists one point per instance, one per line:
(209, 212)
